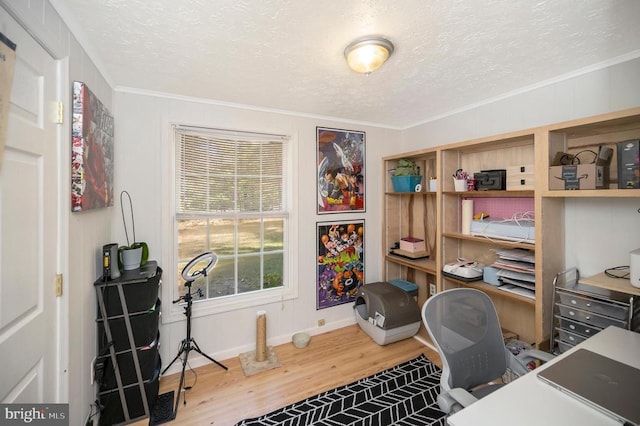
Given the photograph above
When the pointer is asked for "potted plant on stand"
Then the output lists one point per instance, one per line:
(136, 253)
(406, 176)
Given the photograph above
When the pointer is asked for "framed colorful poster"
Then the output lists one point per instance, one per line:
(340, 170)
(91, 152)
(340, 262)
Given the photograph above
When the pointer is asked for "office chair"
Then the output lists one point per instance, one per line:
(464, 326)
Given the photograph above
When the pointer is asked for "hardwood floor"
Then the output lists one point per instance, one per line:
(222, 398)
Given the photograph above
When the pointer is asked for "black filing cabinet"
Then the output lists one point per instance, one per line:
(581, 310)
(128, 360)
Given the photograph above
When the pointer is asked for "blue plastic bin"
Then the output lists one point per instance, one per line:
(405, 183)
(408, 286)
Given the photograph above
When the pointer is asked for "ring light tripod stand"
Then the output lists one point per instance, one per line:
(190, 273)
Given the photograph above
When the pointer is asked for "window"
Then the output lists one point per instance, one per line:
(231, 197)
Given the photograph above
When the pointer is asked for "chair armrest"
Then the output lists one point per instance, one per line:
(518, 363)
(454, 400)
(462, 396)
(531, 354)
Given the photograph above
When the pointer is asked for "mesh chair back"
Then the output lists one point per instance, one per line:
(464, 325)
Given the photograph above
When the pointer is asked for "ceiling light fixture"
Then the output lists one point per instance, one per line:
(367, 54)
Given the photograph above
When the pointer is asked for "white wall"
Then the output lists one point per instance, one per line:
(140, 120)
(577, 95)
(82, 233)
(590, 224)
(142, 144)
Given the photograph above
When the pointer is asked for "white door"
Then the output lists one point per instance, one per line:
(28, 227)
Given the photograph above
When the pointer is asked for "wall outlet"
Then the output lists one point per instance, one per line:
(321, 322)
(432, 289)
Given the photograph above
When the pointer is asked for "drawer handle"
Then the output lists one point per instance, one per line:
(587, 331)
(571, 326)
(587, 317)
(573, 302)
(572, 313)
(589, 305)
(571, 338)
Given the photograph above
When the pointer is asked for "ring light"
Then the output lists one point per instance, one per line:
(190, 273)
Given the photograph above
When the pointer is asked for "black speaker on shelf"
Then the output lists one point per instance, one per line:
(110, 270)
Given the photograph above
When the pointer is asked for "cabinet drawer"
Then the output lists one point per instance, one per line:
(620, 312)
(569, 337)
(578, 327)
(589, 317)
(520, 177)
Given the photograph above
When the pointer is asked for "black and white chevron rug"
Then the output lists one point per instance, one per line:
(403, 395)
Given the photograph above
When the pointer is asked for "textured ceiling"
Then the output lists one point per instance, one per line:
(288, 54)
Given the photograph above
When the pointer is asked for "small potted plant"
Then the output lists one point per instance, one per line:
(406, 176)
(136, 253)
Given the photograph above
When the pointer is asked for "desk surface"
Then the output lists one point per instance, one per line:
(529, 401)
(615, 284)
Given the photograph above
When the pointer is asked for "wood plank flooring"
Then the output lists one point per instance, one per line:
(222, 398)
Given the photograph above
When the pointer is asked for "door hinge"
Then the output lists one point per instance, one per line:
(60, 113)
(58, 285)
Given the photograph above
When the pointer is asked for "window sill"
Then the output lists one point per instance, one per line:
(203, 308)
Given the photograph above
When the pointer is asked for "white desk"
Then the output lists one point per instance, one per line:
(530, 401)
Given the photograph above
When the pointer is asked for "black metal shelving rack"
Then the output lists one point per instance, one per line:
(128, 362)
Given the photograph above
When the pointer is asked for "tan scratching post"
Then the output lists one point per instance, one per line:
(261, 336)
(264, 357)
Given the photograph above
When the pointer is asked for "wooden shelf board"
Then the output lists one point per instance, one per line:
(423, 193)
(485, 240)
(492, 289)
(424, 265)
(597, 193)
(616, 284)
(527, 193)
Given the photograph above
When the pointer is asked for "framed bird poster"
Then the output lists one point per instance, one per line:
(340, 170)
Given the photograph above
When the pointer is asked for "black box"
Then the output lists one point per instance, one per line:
(112, 411)
(490, 180)
(148, 358)
(140, 288)
(144, 327)
(629, 164)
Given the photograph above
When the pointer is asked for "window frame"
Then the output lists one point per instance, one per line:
(173, 312)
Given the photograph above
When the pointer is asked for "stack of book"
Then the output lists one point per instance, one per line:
(516, 271)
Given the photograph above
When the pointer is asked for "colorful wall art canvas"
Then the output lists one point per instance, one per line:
(340, 262)
(340, 170)
(92, 151)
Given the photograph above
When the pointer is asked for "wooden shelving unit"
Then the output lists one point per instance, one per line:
(412, 214)
(517, 313)
(436, 216)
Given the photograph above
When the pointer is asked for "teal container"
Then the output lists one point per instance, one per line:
(405, 183)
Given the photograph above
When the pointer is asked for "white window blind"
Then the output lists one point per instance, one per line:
(231, 198)
(230, 172)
